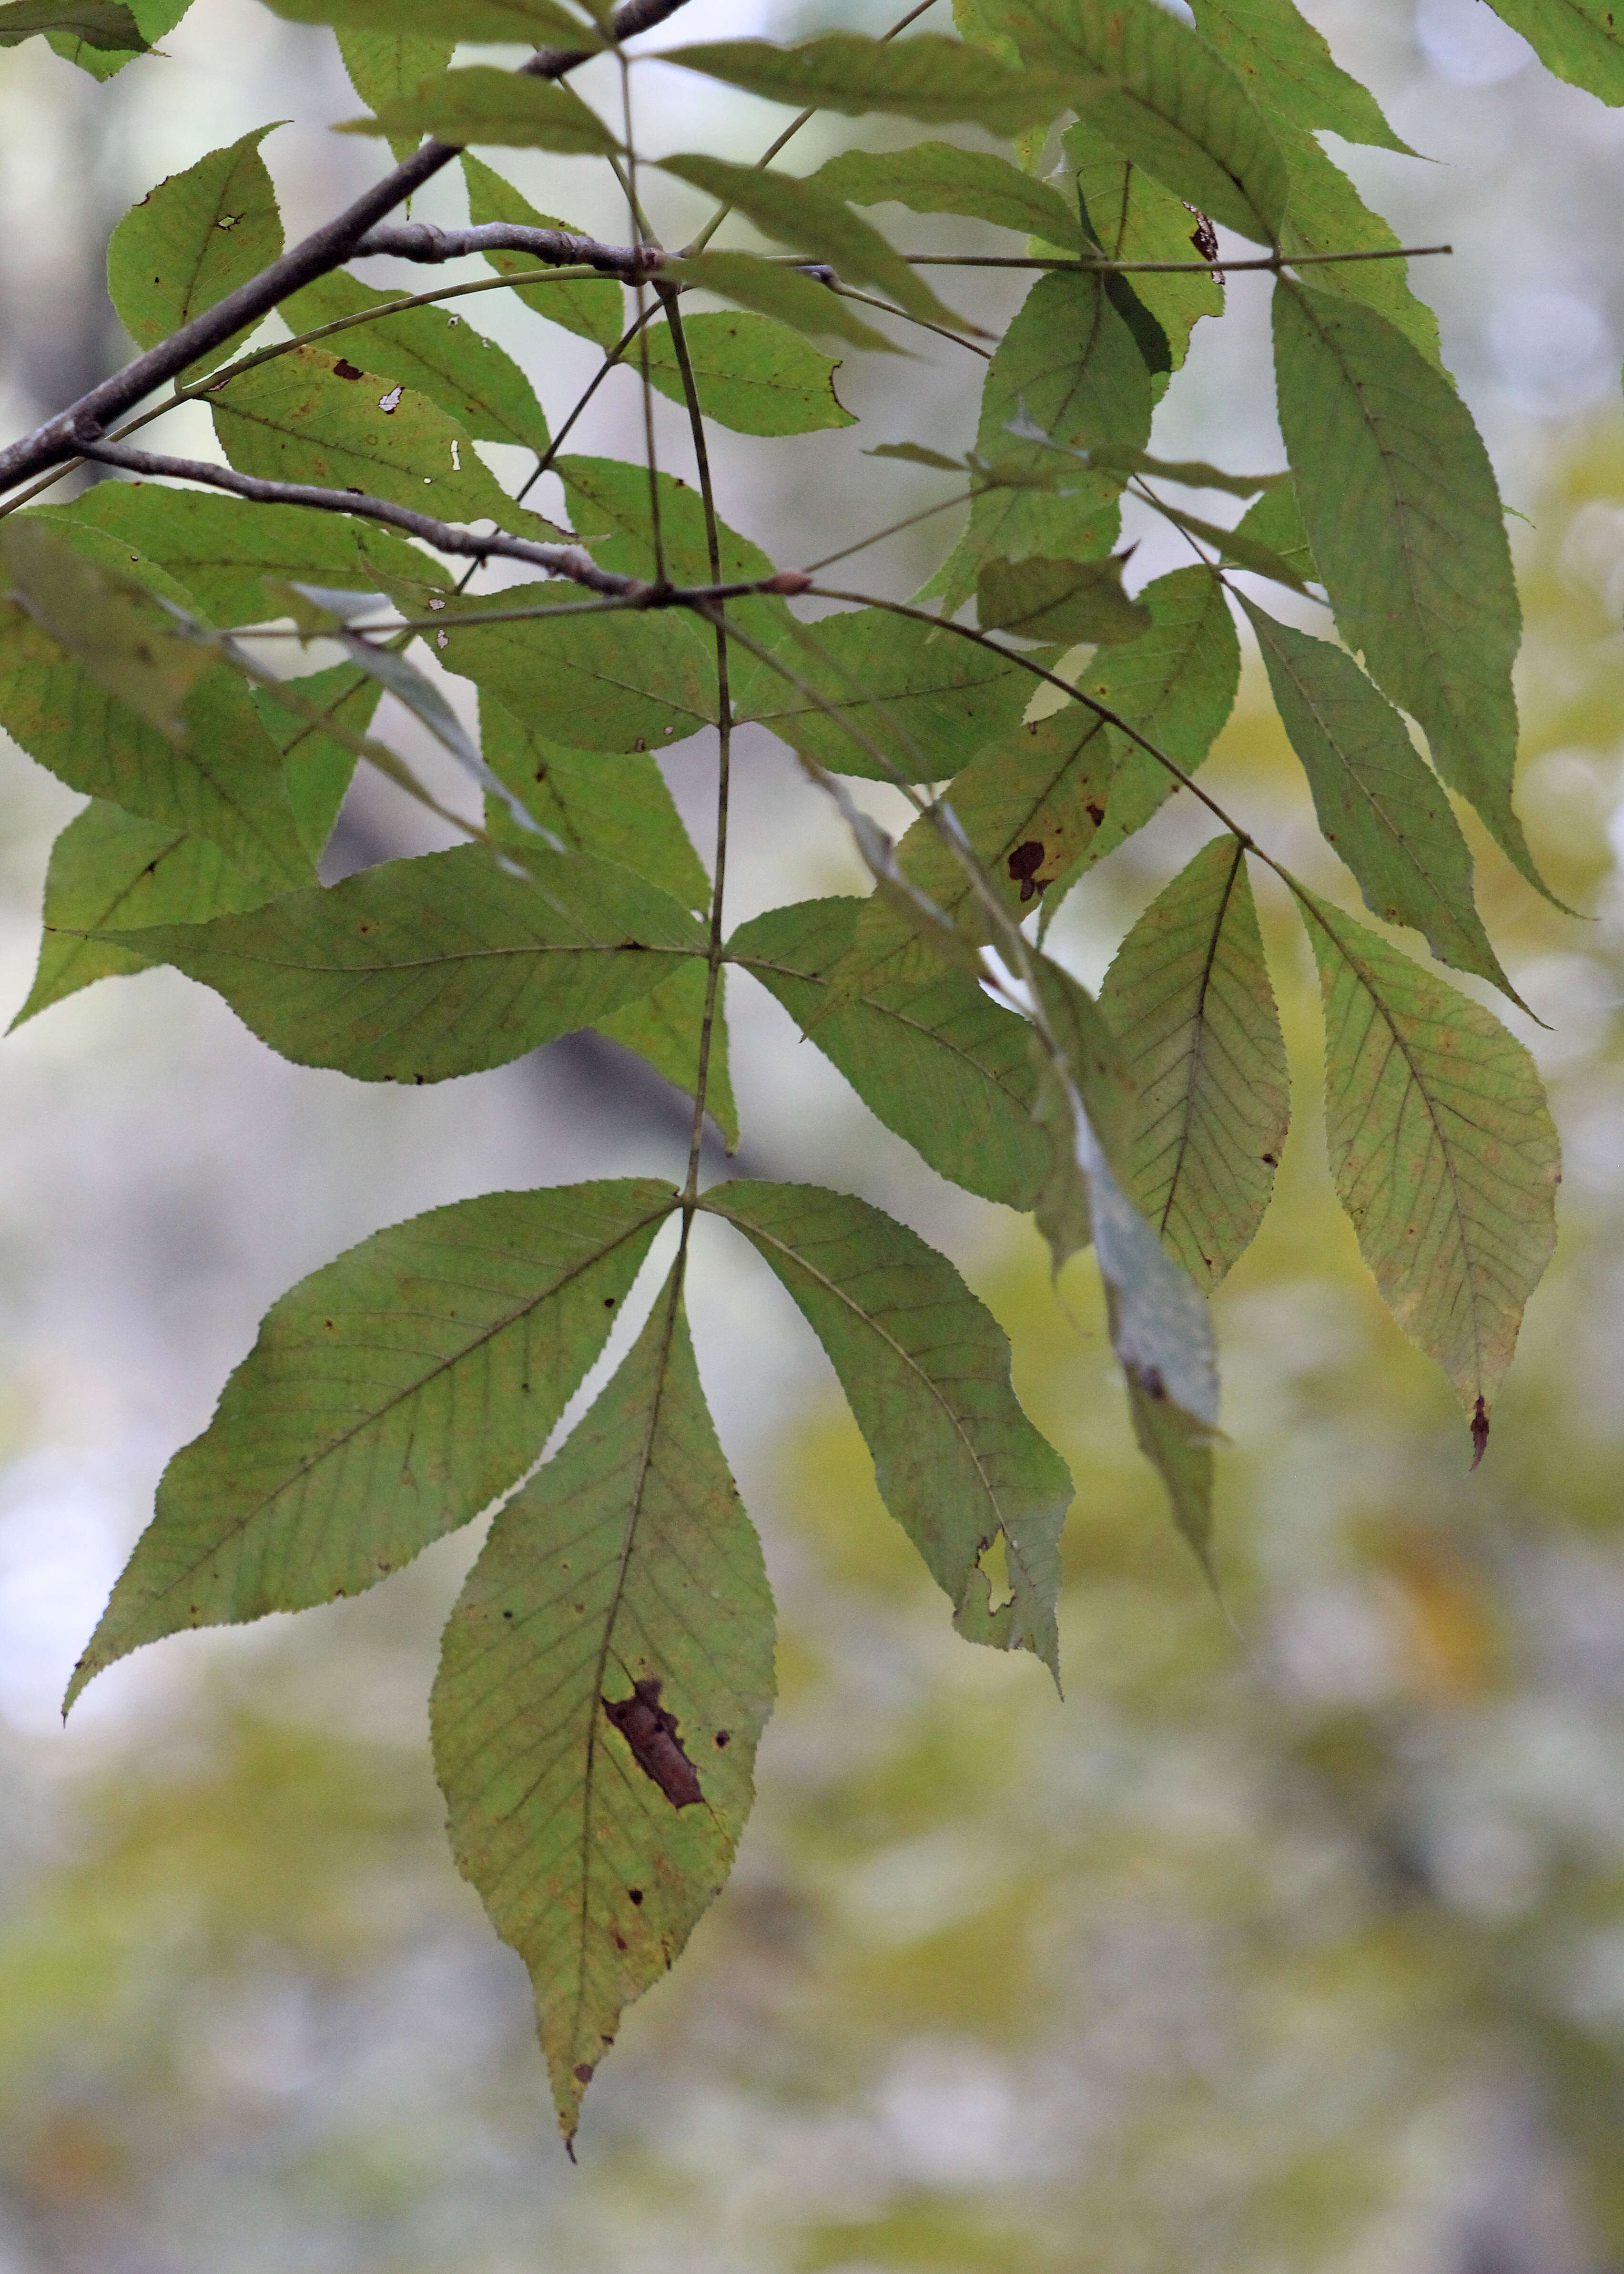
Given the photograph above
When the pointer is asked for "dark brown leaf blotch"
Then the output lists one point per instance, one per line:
(652, 1733)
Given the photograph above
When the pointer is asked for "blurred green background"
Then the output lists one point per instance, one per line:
(1292, 1939)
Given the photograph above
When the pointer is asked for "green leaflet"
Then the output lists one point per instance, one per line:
(192, 240)
(152, 18)
(222, 780)
(109, 868)
(483, 104)
(592, 307)
(803, 214)
(940, 177)
(1286, 68)
(1188, 996)
(1178, 686)
(220, 547)
(753, 373)
(1068, 364)
(628, 680)
(422, 969)
(1169, 102)
(104, 23)
(926, 1371)
(386, 65)
(536, 22)
(1275, 523)
(924, 699)
(608, 500)
(389, 1398)
(1327, 215)
(1443, 1151)
(628, 1558)
(320, 765)
(1400, 505)
(1159, 1324)
(770, 289)
(1379, 805)
(618, 808)
(114, 630)
(1581, 41)
(664, 1027)
(434, 350)
(1069, 602)
(937, 1061)
(928, 77)
(1131, 217)
(308, 417)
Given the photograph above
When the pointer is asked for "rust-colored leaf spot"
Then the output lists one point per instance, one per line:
(1024, 862)
(584, 2072)
(1479, 1432)
(652, 1733)
(722, 1739)
(344, 369)
(1096, 814)
(608, 1302)
(1270, 1159)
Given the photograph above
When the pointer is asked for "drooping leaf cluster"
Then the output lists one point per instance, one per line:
(608, 1669)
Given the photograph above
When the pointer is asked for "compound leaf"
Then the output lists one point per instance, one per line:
(1400, 505)
(936, 1060)
(1443, 1151)
(390, 1398)
(111, 869)
(192, 240)
(940, 177)
(422, 969)
(627, 1560)
(928, 77)
(1189, 1000)
(434, 350)
(593, 307)
(1379, 805)
(753, 373)
(926, 1370)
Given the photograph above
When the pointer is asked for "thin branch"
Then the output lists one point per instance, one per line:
(557, 560)
(905, 315)
(1273, 260)
(642, 234)
(326, 248)
(725, 727)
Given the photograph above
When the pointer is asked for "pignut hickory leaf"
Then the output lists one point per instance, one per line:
(753, 373)
(940, 177)
(628, 1559)
(1188, 996)
(536, 23)
(926, 1370)
(483, 104)
(104, 23)
(194, 238)
(768, 287)
(384, 64)
(390, 1397)
(1287, 67)
(1443, 1150)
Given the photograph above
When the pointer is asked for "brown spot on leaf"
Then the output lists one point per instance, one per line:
(1479, 1432)
(656, 1746)
(584, 2072)
(608, 1302)
(1272, 1162)
(721, 1740)
(1096, 814)
(344, 369)
(635, 1894)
